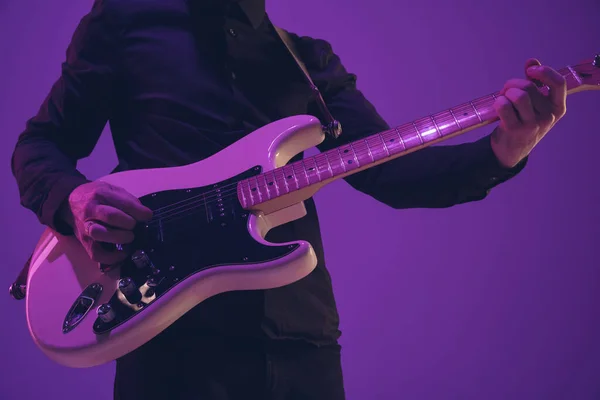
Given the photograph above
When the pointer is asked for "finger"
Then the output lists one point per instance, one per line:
(103, 256)
(522, 103)
(125, 201)
(533, 62)
(538, 99)
(555, 81)
(506, 112)
(112, 217)
(102, 233)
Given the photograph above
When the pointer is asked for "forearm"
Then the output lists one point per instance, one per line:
(436, 177)
(45, 177)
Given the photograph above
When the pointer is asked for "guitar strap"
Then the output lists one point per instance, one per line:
(332, 127)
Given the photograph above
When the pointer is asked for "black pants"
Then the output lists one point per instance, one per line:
(229, 369)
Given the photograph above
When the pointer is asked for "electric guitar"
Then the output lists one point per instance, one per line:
(80, 316)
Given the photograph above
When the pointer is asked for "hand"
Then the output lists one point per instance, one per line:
(102, 213)
(526, 114)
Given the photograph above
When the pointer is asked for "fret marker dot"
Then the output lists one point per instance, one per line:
(270, 183)
(289, 177)
(465, 114)
(345, 151)
(254, 189)
(391, 140)
(349, 161)
(310, 169)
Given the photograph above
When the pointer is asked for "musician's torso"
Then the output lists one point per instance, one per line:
(190, 84)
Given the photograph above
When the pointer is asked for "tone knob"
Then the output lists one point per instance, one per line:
(106, 313)
(152, 282)
(141, 259)
(130, 290)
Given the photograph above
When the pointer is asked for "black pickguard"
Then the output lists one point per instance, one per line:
(192, 230)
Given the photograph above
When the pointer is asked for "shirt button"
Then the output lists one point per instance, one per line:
(232, 32)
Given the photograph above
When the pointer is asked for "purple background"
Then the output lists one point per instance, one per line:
(490, 300)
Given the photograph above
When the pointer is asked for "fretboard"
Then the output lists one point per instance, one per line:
(373, 150)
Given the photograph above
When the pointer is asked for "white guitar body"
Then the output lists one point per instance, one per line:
(61, 270)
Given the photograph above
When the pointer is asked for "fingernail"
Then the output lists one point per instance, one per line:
(532, 68)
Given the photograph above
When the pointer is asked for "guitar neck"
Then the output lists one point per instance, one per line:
(309, 174)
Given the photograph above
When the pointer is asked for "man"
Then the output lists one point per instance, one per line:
(180, 80)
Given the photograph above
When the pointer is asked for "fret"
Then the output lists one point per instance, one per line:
(456, 120)
(271, 182)
(256, 188)
(427, 130)
(277, 175)
(369, 150)
(288, 188)
(445, 123)
(409, 138)
(301, 174)
(387, 138)
(312, 176)
(377, 146)
(306, 175)
(262, 181)
(342, 162)
(476, 111)
(361, 149)
(400, 141)
(335, 160)
(329, 165)
(355, 154)
(436, 127)
(323, 167)
(418, 133)
(383, 141)
(485, 106)
(335, 165)
(290, 175)
(313, 168)
(250, 192)
(350, 163)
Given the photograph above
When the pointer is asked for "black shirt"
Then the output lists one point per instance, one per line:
(180, 80)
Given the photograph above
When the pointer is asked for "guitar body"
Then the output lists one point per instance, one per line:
(200, 243)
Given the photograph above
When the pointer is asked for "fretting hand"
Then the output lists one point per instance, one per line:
(526, 114)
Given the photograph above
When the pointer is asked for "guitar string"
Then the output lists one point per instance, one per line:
(211, 197)
(202, 201)
(214, 193)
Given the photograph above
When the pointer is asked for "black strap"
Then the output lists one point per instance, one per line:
(332, 127)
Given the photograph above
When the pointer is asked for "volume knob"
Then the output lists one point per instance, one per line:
(106, 313)
(130, 290)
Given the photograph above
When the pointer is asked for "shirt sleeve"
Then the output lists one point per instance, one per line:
(433, 177)
(69, 122)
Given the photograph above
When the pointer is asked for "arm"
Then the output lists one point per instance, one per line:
(69, 122)
(433, 177)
